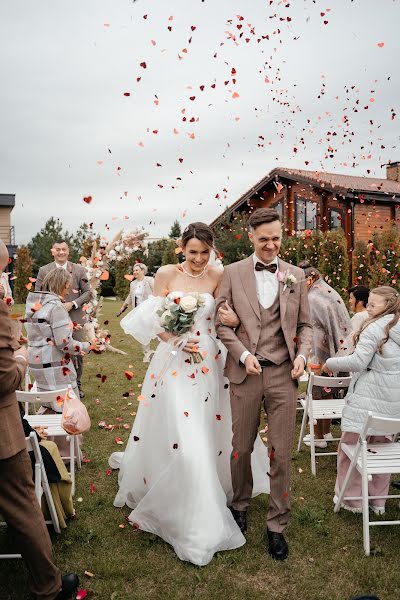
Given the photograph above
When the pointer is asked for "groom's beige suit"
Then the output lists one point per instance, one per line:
(277, 334)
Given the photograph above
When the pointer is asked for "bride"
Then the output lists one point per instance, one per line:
(175, 472)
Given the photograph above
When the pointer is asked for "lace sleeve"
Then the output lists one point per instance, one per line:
(142, 322)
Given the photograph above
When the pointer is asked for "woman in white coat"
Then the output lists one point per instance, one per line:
(375, 387)
(140, 289)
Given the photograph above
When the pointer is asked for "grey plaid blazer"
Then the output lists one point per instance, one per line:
(81, 291)
(50, 342)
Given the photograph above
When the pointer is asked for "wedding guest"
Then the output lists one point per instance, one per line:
(79, 294)
(358, 300)
(140, 289)
(375, 387)
(57, 475)
(331, 326)
(5, 289)
(18, 503)
(50, 330)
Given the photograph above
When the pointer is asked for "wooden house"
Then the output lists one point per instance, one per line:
(308, 200)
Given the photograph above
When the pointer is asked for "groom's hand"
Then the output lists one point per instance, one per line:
(252, 365)
(298, 367)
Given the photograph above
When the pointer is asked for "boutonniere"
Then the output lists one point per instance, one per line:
(287, 279)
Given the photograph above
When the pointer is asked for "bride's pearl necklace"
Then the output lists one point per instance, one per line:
(194, 276)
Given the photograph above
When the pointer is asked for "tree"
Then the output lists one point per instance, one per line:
(82, 242)
(22, 271)
(155, 254)
(41, 243)
(176, 231)
(231, 239)
(169, 255)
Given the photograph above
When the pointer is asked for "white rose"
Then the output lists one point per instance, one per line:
(188, 304)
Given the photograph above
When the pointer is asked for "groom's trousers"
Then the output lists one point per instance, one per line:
(275, 387)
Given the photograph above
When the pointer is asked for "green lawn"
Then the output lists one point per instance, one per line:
(326, 553)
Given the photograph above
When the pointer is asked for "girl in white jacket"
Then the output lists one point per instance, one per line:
(375, 387)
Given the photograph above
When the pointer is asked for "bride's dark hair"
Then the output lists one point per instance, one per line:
(199, 231)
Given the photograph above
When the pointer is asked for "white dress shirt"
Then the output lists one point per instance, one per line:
(266, 283)
(139, 292)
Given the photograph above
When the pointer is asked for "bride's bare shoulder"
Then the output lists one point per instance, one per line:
(166, 270)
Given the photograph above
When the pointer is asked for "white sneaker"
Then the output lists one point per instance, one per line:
(318, 443)
(377, 510)
(353, 509)
(146, 357)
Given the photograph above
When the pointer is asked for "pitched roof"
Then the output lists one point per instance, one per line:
(7, 200)
(333, 182)
(344, 183)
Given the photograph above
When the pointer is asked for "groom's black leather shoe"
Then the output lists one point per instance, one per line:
(240, 517)
(70, 584)
(277, 545)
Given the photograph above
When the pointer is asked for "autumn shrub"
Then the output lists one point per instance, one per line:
(22, 272)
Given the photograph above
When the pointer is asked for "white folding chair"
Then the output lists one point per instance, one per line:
(41, 487)
(53, 424)
(369, 460)
(331, 408)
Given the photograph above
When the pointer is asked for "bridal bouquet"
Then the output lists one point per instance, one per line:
(177, 316)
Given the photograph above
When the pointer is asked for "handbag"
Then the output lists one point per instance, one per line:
(75, 417)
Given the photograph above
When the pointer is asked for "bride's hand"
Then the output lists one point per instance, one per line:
(227, 316)
(192, 345)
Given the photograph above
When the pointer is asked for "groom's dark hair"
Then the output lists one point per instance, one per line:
(262, 215)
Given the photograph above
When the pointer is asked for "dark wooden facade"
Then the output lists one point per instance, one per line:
(308, 200)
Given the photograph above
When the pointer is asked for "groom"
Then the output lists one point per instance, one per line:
(267, 353)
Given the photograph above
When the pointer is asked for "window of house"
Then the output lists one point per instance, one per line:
(335, 218)
(279, 208)
(306, 214)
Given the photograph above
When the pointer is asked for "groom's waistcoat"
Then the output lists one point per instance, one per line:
(272, 344)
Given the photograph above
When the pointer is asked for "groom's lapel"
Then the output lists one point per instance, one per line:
(283, 295)
(246, 271)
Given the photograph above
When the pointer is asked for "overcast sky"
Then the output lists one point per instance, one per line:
(291, 91)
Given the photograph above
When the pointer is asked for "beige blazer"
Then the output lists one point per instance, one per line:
(238, 287)
(148, 288)
(12, 437)
(81, 292)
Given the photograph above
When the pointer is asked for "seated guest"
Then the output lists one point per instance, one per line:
(18, 502)
(56, 471)
(331, 326)
(358, 300)
(50, 329)
(375, 387)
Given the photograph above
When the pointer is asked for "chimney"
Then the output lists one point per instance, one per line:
(393, 171)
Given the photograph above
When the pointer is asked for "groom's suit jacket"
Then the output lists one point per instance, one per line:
(238, 288)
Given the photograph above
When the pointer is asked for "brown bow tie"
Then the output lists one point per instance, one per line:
(271, 268)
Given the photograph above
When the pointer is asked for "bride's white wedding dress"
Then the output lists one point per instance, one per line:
(175, 471)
